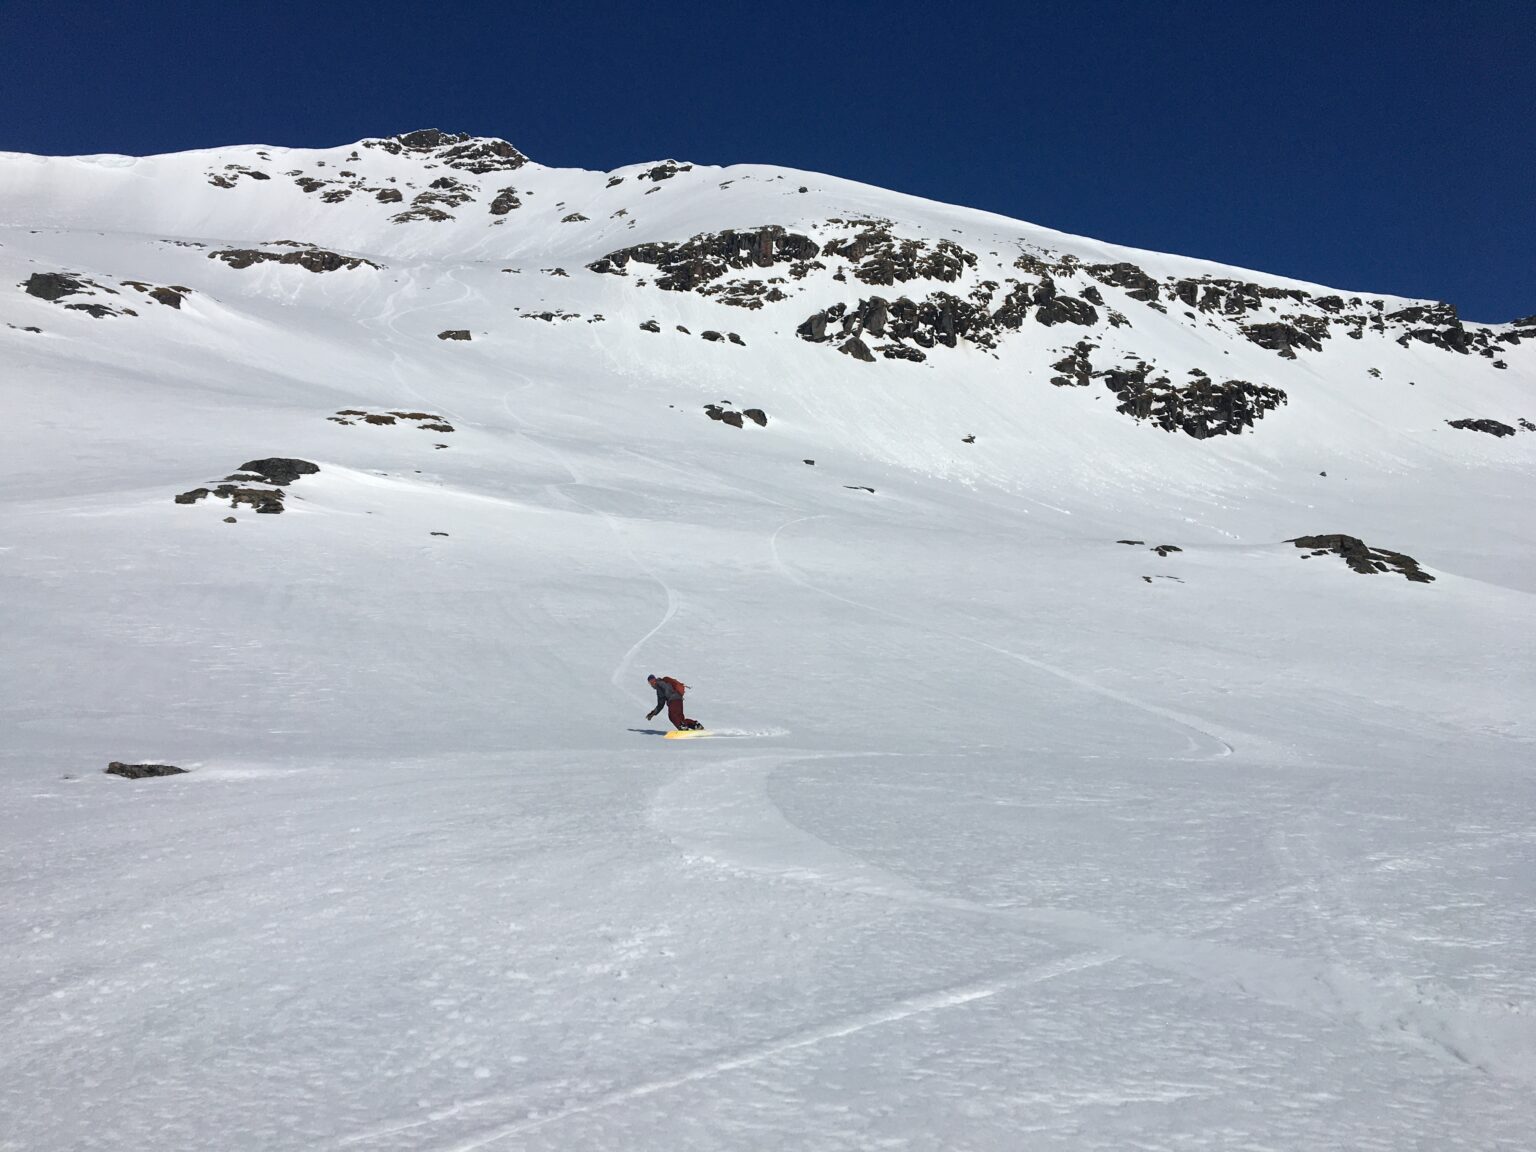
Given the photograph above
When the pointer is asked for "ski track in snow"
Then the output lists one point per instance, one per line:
(936, 1001)
(621, 673)
(722, 815)
(1216, 746)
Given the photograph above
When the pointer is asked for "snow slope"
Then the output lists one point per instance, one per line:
(1024, 837)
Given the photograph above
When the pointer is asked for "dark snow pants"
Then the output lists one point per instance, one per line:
(675, 713)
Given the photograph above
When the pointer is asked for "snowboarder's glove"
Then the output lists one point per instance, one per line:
(651, 715)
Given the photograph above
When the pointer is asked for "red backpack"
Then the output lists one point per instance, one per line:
(677, 685)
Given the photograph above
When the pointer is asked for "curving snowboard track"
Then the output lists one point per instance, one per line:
(722, 815)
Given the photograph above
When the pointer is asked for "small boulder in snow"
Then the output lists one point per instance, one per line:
(140, 771)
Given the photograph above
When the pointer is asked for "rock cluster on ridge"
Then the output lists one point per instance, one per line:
(873, 283)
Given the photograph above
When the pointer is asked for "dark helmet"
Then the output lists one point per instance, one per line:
(652, 678)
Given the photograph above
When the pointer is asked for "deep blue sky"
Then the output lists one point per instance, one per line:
(1384, 146)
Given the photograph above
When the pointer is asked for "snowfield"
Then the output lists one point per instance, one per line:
(1015, 836)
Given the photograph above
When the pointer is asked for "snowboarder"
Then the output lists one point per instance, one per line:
(669, 695)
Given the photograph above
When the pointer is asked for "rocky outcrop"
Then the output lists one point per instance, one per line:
(725, 414)
(1052, 307)
(274, 470)
(476, 154)
(857, 349)
(1201, 408)
(663, 171)
(1076, 369)
(454, 334)
(54, 286)
(142, 771)
(1361, 557)
(941, 320)
(265, 500)
(171, 296)
(1492, 427)
(880, 257)
(425, 420)
(279, 469)
(505, 201)
(1281, 338)
(695, 263)
(1138, 285)
(308, 257)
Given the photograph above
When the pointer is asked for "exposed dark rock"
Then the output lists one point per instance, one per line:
(757, 416)
(735, 339)
(171, 296)
(1362, 558)
(54, 286)
(1523, 422)
(1130, 541)
(941, 319)
(192, 497)
(309, 258)
(389, 196)
(573, 218)
(505, 201)
(434, 215)
(98, 311)
(857, 349)
(279, 469)
(1281, 338)
(455, 150)
(1076, 370)
(454, 334)
(711, 335)
(968, 439)
(811, 462)
(724, 415)
(142, 771)
(859, 487)
(1053, 308)
(664, 171)
(650, 326)
(1164, 549)
(1138, 285)
(1439, 325)
(230, 520)
(1492, 427)
(690, 265)
(884, 258)
(1201, 409)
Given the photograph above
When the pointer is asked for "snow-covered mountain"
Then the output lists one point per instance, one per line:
(1122, 666)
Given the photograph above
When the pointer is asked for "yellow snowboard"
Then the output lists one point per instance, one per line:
(688, 733)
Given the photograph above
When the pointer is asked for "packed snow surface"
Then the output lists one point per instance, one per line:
(1019, 837)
